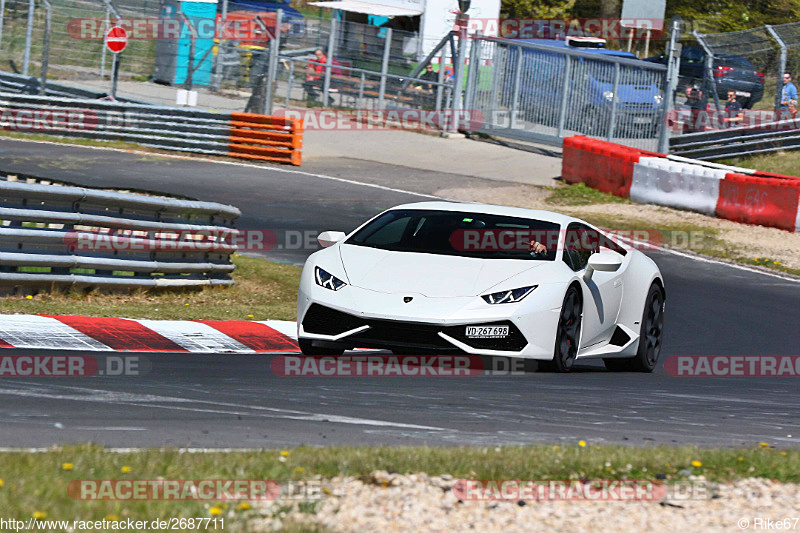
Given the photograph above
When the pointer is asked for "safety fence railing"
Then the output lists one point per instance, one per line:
(75, 237)
(239, 135)
(727, 143)
(543, 93)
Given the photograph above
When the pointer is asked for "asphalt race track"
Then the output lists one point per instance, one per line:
(236, 401)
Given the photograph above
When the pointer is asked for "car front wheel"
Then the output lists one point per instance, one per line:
(568, 334)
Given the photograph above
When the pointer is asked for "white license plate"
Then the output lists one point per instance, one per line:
(487, 332)
(742, 93)
(641, 120)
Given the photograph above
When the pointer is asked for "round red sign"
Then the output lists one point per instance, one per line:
(116, 39)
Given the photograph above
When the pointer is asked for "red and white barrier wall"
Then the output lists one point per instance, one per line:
(738, 194)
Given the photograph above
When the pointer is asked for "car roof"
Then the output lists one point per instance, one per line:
(489, 209)
(563, 44)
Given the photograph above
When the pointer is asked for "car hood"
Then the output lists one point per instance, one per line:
(435, 276)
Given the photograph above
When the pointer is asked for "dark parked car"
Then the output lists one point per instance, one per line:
(731, 73)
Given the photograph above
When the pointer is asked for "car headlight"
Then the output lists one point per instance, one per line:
(608, 95)
(508, 297)
(658, 98)
(327, 280)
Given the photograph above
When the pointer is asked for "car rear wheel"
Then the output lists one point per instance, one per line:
(308, 348)
(650, 337)
(568, 334)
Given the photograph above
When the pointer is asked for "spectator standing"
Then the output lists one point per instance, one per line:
(316, 69)
(698, 107)
(426, 91)
(788, 98)
(734, 115)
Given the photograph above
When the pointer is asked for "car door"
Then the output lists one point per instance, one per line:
(602, 294)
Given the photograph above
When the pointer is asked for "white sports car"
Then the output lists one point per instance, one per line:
(436, 277)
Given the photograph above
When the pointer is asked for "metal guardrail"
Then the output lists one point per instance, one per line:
(17, 83)
(719, 144)
(63, 236)
(168, 128)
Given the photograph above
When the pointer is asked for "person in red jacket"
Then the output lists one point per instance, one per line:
(315, 74)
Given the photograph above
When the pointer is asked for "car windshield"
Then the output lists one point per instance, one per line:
(459, 233)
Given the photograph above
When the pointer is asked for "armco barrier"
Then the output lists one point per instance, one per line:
(741, 195)
(241, 135)
(73, 236)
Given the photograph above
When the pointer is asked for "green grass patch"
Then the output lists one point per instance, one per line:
(779, 162)
(264, 290)
(580, 194)
(37, 482)
(79, 141)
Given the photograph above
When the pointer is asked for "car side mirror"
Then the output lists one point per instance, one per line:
(329, 238)
(602, 262)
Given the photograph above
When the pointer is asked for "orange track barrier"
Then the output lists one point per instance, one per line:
(266, 138)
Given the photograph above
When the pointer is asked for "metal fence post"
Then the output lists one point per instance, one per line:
(326, 86)
(673, 70)
(472, 73)
(781, 69)
(562, 110)
(440, 78)
(387, 48)
(2, 19)
(458, 88)
(515, 89)
(217, 78)
(45, 46)
(26, 59)
(272, 66)
(289, 83)
(106, 26)
(709, 70)
(613, 121)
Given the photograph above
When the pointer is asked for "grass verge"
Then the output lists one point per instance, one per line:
(580, 194)
(779, 162)
(264, 290)
(37, 482)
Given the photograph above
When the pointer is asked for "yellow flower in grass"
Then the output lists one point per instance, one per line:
(740, 458)
(696, 463)
(582, 443)
(285, 453)
(249, 316)
(66, 466)
(29, 297)
(38, 515)
(244, 506)
(763, 445)
(1, 482)
(215, 511)
(112, 518)
(126, 469)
